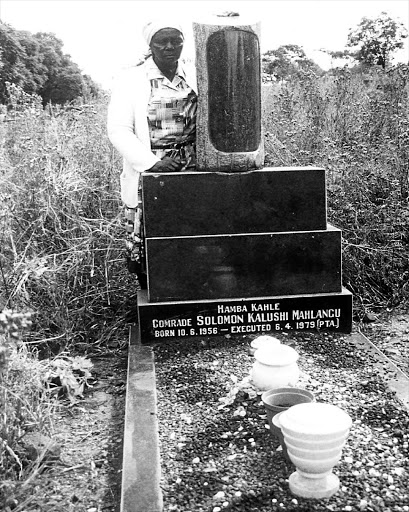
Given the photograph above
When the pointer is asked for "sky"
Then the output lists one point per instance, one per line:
(104, 36)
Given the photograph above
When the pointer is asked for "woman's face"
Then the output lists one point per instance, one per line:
(166, 46)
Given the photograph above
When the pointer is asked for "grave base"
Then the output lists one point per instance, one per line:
(259, 315)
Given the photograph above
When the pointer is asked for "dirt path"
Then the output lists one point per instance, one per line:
(87, 476)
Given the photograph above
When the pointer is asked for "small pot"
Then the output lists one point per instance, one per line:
(279, 400)
(275, 367)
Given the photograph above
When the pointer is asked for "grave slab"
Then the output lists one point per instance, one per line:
(145, 455)
(246, 265)
(257, 315)
(206, 203)
(396, 380)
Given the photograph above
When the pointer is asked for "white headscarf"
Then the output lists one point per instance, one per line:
(150, 29)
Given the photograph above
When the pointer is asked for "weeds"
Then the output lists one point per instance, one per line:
(29, 389)
(23, 404)
(61, 239)
(61, 260)
(355, 125)
(68, 376)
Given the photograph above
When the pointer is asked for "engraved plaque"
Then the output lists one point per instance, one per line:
(251, 316)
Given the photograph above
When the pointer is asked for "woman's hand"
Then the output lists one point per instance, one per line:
(167, 164)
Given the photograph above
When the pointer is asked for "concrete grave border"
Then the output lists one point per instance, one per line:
(141, 471)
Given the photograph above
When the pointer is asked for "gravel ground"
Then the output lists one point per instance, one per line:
(236, 454)
(216, 449)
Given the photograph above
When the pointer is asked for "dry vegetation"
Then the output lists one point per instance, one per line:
(355, 125)
(61, 238)
(61, 266)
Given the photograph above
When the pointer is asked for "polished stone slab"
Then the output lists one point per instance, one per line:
(274, 199)
(141, 471)
(214, 267)
(256, 315)
(234, 87)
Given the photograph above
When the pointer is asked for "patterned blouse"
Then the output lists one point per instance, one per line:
(172, 117)
(172, 126)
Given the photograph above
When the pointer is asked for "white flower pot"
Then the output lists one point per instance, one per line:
(263, 342)
(275, 367)
(314, 434)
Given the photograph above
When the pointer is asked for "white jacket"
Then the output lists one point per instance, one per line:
(128, 128)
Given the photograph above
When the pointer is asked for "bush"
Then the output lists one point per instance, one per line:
(355, 125)
(23, 404)
(61, 236)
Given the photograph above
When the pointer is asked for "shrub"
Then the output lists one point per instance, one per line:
(61, 234)
(23, 404)
(355, 125)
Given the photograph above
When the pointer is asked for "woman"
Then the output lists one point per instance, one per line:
(152, 123)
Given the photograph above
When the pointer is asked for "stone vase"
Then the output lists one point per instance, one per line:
(314, 434)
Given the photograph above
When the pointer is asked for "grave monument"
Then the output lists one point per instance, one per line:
(237, 248)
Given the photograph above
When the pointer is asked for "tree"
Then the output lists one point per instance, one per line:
(32, 68)
(64, 79)
(37, 64)
(286, 61)
(11, 52)
(377, 39)
(62, 88)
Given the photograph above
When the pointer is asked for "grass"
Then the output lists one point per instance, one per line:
(61, 249)
(24, 405)
(61, 226)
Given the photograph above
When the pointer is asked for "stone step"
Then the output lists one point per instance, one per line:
(272, 199)
(141, 471)
(244, 265)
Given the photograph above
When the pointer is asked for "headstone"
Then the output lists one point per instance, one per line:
(236, 248)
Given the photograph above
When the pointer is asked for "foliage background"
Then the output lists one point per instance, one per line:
(37, 64)
(353, 122)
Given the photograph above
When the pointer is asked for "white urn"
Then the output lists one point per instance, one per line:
(261, 342)
(314, 434)
(275, 367)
